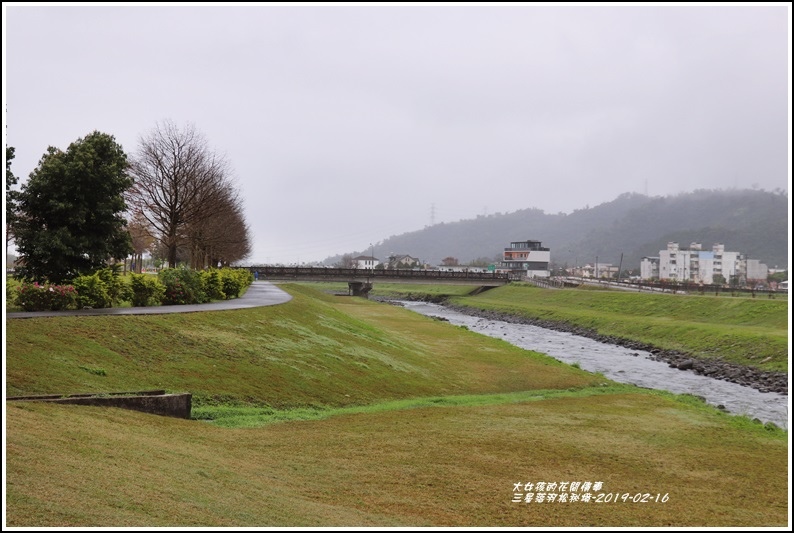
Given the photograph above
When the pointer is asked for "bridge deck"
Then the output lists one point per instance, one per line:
(362, 275)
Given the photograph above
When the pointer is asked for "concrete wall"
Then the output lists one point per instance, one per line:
(175, 405)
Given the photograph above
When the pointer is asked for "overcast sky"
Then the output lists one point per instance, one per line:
(346, 125)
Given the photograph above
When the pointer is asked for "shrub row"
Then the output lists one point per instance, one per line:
(106, 288)
(46, 297)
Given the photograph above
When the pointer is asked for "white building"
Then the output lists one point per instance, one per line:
(649, 268)
(696, 265)
(365, 261)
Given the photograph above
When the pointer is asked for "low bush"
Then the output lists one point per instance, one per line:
(213, 284)
(232, 284)
(235, 280)
(92, 292)
(225, 283)
(118, 290)
(182, 286)
(12, 286)
(46, 297)
(146, 290)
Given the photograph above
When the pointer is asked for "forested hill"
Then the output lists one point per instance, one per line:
(752, 222)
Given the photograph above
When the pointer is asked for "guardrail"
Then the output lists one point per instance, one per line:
(684, 287)
(287, 273)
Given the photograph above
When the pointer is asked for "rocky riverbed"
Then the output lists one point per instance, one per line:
(761, 380)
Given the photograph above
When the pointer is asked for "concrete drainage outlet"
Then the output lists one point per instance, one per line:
(155, 401)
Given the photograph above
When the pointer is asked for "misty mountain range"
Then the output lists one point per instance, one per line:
(752, 222)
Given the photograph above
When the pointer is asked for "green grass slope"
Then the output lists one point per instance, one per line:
(385, 418)
(319, 350)
(752, 332)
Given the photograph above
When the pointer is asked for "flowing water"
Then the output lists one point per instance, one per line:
(621, 364)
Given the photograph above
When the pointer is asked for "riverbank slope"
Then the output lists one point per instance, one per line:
(741, 340)
(346, 412)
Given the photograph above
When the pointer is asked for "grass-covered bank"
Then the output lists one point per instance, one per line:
(247, 416)
(746, 331)
(319, 350)
(432, 466)
(386, 418)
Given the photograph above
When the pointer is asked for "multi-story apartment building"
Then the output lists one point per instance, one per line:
(701, 266)
(526, 259)
(649, 268)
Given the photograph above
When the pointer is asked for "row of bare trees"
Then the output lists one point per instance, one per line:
(184, 205)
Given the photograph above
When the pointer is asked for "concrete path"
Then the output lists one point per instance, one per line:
(259, 294)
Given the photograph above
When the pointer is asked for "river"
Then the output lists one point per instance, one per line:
(621, 364)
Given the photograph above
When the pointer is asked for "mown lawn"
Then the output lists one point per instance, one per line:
(337, 411)
(432, 466)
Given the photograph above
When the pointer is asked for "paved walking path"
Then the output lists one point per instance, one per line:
(259, 294)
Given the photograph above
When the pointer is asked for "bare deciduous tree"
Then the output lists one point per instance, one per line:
(179, 182)
(346, 261)
(142, 239)
(222, 237)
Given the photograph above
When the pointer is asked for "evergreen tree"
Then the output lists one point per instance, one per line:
(70, 213)
(11, 195)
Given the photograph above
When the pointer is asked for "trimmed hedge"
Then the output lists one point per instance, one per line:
(106, 287)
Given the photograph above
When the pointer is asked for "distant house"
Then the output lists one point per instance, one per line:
(526, 259)
(365, 261)
(403, 261)
(605, 271)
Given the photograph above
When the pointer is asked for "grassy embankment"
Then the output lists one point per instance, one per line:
(391, 419)
(747, 331)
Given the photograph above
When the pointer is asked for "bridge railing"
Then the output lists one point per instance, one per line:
(349, 273)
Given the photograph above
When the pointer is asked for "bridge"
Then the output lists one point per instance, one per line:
(360, 280)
